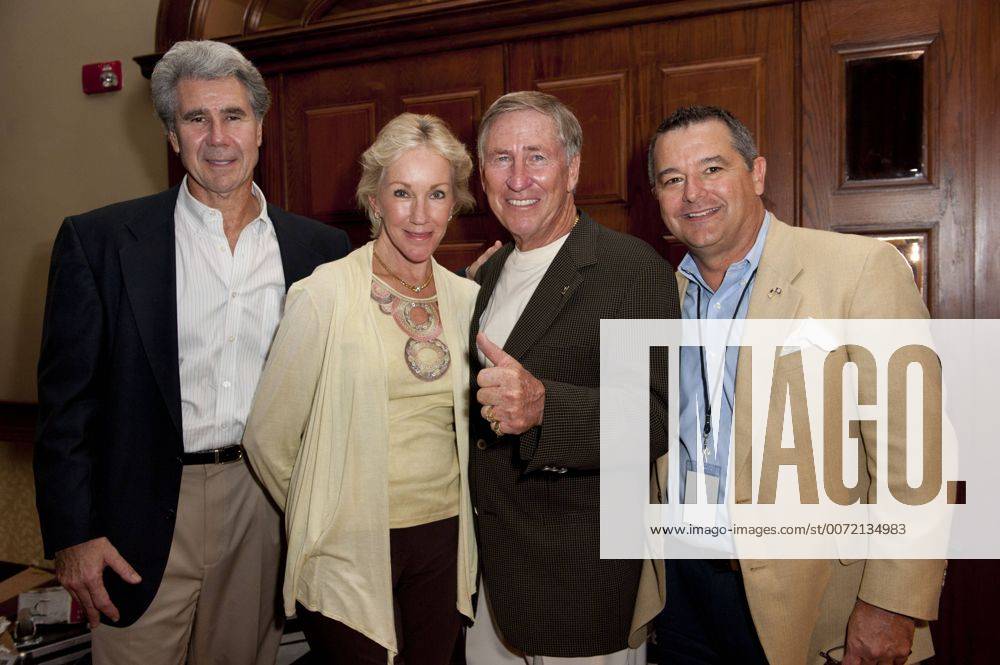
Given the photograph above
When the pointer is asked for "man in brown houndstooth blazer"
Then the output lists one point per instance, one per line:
(534, 466)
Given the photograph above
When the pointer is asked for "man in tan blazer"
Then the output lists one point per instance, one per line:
(708, 178)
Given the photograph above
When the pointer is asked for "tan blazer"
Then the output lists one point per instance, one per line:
(801, 607)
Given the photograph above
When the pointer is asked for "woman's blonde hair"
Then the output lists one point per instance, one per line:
(405, 132)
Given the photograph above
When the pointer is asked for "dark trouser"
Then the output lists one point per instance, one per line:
(706, 619)
(424, 582)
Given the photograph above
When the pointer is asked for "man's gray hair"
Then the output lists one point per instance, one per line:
(686, 116)
(568, 128)
(207, 61)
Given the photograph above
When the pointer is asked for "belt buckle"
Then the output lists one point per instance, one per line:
(216, 453)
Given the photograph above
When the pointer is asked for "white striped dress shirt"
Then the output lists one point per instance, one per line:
(228, 308)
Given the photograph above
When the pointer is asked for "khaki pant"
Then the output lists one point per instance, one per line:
(218, 600)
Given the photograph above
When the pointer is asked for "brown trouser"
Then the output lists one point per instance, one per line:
(424, 582)
(218, 600)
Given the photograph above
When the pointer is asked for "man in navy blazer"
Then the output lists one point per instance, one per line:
(158, 318)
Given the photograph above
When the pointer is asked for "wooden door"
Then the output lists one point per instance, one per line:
(888, 142)
(891, 148)
(330, 116)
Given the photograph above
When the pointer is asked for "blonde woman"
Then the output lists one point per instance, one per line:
(359, 429)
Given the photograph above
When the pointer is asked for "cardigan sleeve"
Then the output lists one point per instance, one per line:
(284, 397)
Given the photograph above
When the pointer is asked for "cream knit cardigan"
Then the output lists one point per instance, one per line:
(317, 437)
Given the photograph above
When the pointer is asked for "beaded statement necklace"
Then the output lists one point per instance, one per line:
(427, 357)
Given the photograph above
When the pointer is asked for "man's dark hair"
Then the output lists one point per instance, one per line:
(686, 116)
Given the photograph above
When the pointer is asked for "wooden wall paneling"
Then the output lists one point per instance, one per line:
(271, 167)
(199, 14)
(965, 632)
(592, 74)
(457, 86)
(253, 14)
(223, 18)
(987, 132)
(280, 14)
(603, 109)
(457, 254)
(324, 39)
(456, 82)
(338, 10)
(173, 23)
(332, 133)
(940, 205)
(741, 60)
(305, 98)
(735, 84)
(332, 115)
(316, 9)
(462, 111)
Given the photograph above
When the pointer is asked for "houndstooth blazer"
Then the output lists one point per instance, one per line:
(537, 495)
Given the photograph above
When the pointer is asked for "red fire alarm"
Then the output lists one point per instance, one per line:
(102, 77)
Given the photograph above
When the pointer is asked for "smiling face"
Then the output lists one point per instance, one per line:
(708, 198)
(415, 198)
(217, 137)
(527, 179)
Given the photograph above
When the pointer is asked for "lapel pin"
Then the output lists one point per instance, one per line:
(565, 289)
(776, 291)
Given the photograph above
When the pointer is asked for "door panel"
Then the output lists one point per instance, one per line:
(592, 75)
(742, 61)
(870, 71)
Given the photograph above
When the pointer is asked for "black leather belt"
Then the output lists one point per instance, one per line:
(217, 456)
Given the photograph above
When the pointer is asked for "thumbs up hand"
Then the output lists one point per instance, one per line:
(511, 397)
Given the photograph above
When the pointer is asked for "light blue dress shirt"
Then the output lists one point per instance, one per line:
(719, 304)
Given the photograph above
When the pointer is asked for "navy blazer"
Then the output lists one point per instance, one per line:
(109, 443)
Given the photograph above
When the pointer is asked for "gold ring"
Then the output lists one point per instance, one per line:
(489, 413)
(495, 426)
